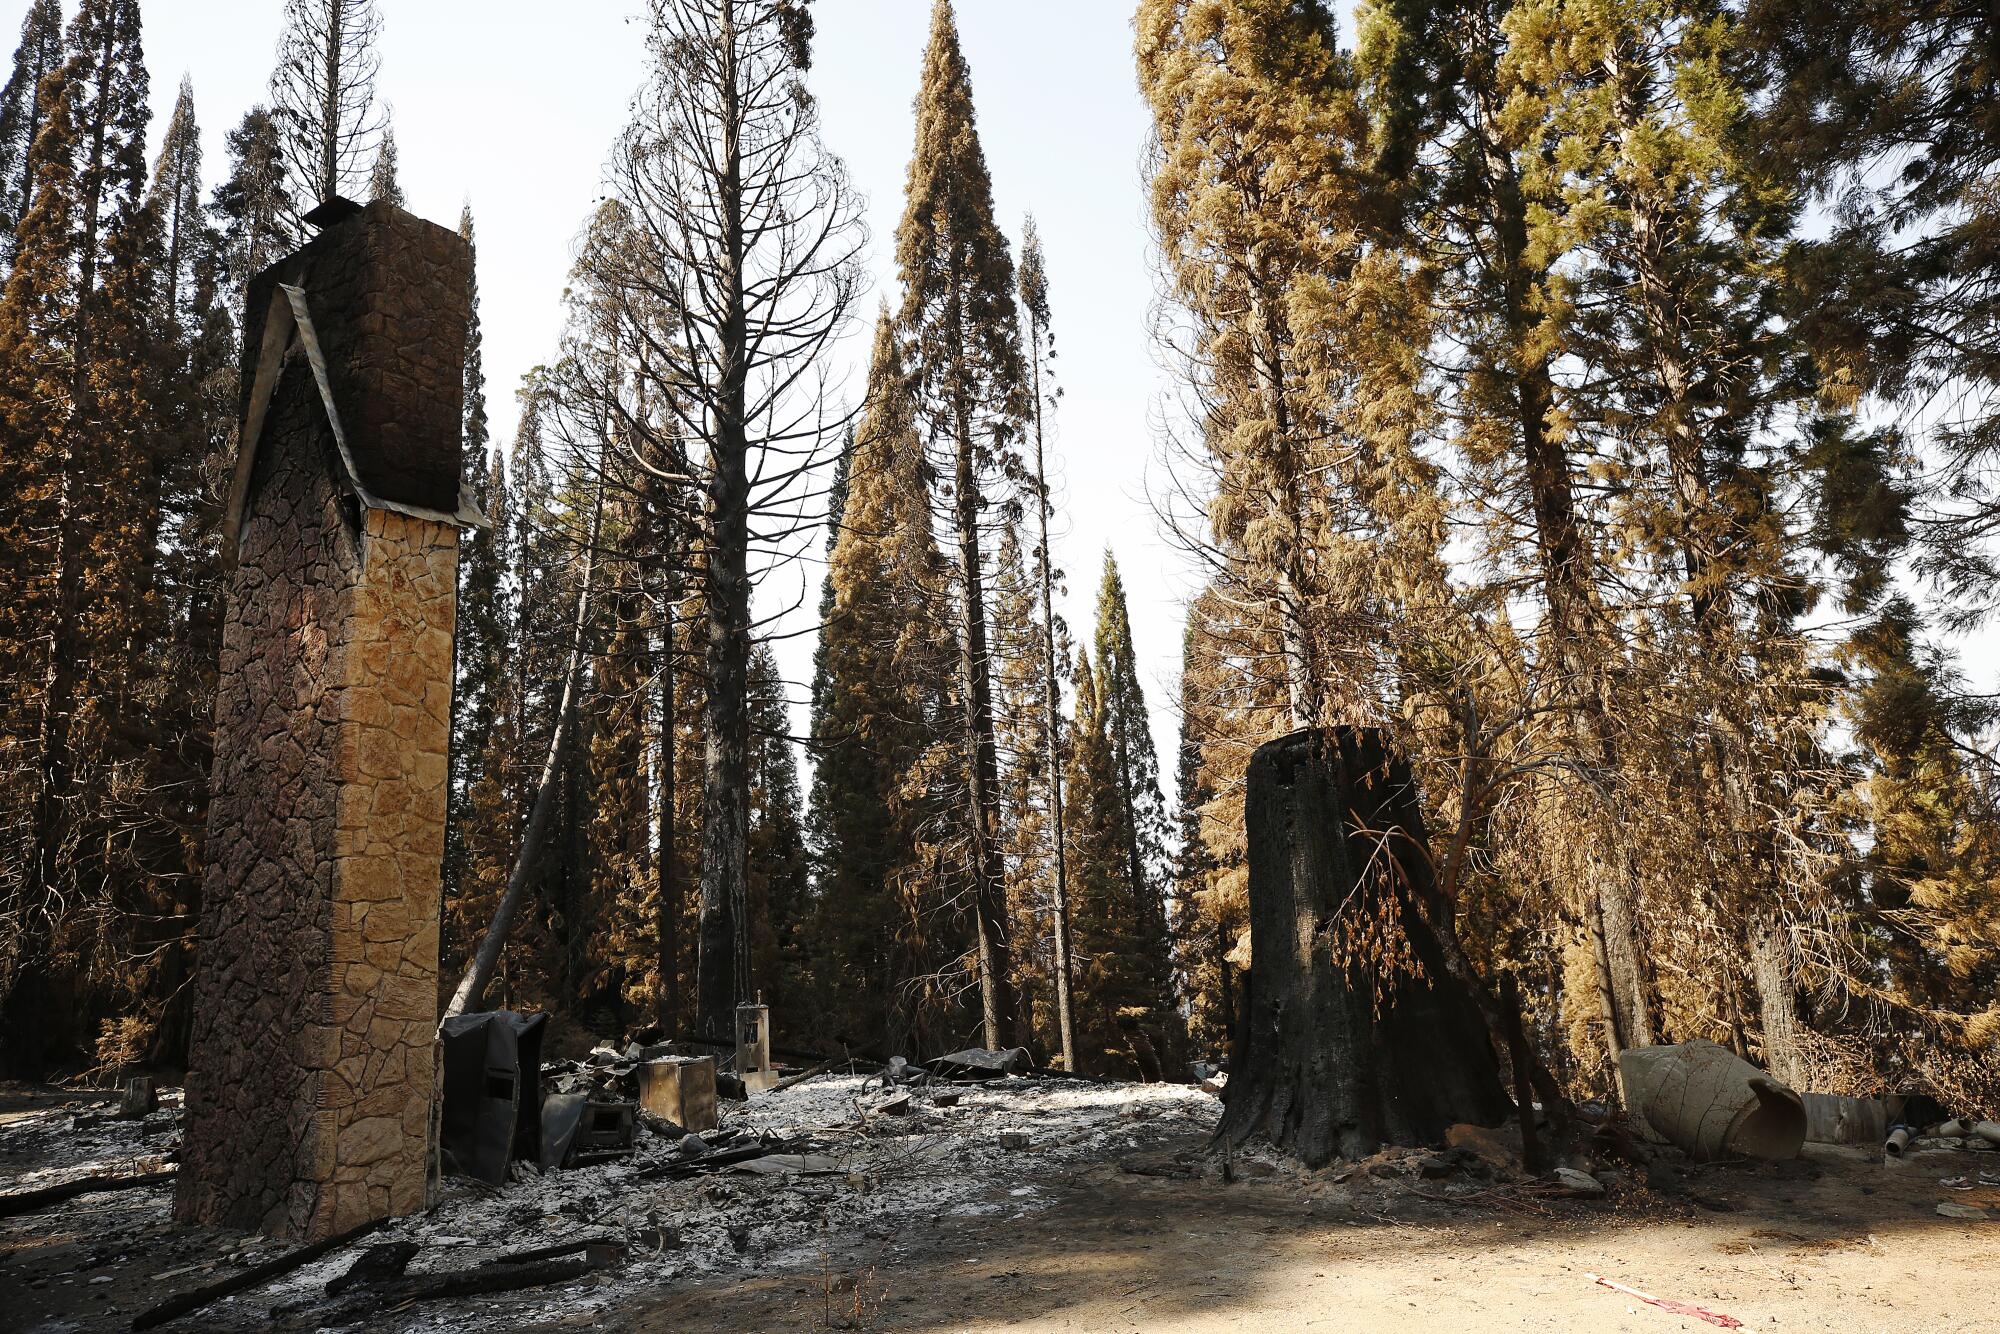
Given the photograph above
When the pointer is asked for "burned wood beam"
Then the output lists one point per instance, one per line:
(555, 1252)
(176, 1307)
(29, 1201)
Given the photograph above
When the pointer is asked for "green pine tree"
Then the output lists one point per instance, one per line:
(35, 59)
(878, 756)
(1118, 831)
(252, 205)
(384, 186)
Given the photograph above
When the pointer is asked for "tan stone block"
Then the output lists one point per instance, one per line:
(420, 952)
(370, 879)
(371, 1139)
(359, 1024)
(427, 839)
(335, 1093)
(407, 1195)
(385, 1035)
(367, 708)
(374, 659)
(344, 764)
(434, 646)
(389, 802)
(380, 753)
(386, 1100)
(427, 772)
(410, 999)
(386, 920)
(360, 979)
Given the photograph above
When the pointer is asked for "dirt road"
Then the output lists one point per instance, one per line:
(1835, 1243)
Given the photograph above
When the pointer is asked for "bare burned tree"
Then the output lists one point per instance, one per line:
(323, 94)
(732, 276)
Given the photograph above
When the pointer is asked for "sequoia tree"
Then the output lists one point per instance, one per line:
(886, 699)
(733, 282)
(82, 516)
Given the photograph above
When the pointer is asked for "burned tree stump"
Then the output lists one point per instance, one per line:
(1354, 1035)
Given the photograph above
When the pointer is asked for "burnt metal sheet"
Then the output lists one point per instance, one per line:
(492, 1091)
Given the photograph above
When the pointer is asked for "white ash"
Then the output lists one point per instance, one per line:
(889, 1173)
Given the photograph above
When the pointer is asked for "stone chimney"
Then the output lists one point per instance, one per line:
(311, 1089)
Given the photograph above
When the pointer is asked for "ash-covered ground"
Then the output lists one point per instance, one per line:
(999, 1152)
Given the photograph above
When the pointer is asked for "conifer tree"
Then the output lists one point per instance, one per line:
(383, 186)
(176, 197)
(1451, 92)
(1026, 827)
(729, 192)
(253, 205)
(780, 869)
(21, 116)
(323, 97)
(962, 326)
(1034, 292)
(1119, 839)
(193, 412)
(877, 741)
(484, 645)
(76, 324)
(618, 915)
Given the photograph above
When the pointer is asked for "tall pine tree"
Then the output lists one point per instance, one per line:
(1118, 830)
(963, 329)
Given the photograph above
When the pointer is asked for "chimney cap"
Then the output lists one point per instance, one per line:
(333, 209)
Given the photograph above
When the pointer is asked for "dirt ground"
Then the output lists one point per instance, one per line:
(1112, 1218)
(1836, 1242)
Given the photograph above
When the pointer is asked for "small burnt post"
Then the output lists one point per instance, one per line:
(312, 1082)
(753, 1047)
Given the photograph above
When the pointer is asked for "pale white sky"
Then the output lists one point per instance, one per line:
(514, 105)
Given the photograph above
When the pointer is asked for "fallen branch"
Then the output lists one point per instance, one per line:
(479, 1282)
(1715, 1318)
(175, 1307)
(793, 1081)
(694, 1167)
(28, 1201)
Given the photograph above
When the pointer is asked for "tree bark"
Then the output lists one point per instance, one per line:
(1338, 1056)
(1777, 1002)
(1051, 680)
(723, 966)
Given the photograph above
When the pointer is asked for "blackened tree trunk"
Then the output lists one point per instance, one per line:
(1341, 1052)
(722, 964)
